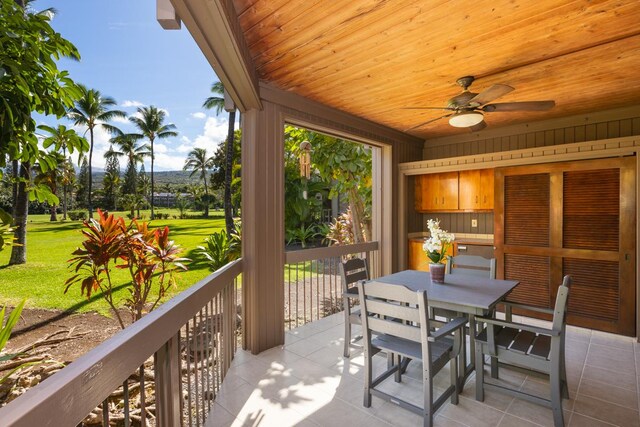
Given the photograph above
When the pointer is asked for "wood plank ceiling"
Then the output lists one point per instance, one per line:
(373, 58)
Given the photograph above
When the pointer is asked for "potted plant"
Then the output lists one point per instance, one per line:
(435, 247)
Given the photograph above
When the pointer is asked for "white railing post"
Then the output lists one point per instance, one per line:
(167, 379)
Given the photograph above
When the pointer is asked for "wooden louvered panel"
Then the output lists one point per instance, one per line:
(591, 211)
(526, 210)
(595, 291)
(533, 274)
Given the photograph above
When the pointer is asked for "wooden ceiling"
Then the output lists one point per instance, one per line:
(373, 58)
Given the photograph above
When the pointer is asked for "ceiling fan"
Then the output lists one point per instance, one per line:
(467, 108)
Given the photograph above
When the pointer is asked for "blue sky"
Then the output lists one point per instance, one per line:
(128, 56)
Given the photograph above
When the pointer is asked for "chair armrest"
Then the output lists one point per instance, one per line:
(447, 329)
(351, 293)
(522, 326)
(528, 307)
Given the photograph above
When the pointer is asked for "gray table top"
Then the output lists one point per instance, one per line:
(460, 292)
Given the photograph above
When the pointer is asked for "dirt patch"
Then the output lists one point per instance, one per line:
(36, 324)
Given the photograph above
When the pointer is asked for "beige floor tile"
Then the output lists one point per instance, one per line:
(578, 334)
(472, 413)
(278, 354)
(534, 413)
(605, 411)
(540, 387)
(610, 393)
(492, 398)
(305, 346)
(610, 358)
(619, 379)
(327, 356)
(513, 421)
(578, 420)
(338, 412)
(219, 417)
(612, 340)
(576, 350)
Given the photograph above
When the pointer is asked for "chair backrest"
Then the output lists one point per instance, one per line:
(472, 265)
(396, 311)
(352, 271)
(562, 304)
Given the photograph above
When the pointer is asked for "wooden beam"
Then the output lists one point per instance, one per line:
(166, 15)
(215, 28)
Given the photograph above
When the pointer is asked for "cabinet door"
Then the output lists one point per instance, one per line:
(427, 192)
(417, 258)
(486, 189)
(468, 194)
(447, 191)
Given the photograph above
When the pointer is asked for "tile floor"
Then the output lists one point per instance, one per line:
(307, 382)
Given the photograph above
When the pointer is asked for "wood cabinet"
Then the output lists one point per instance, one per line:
(475, 190)
(437, 192)
(417, 258)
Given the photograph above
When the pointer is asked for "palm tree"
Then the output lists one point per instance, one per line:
(135, 154)
(51, 178)
(217, 103)
(64, 139)
(150, 122)
(92, 110)
(198, 162)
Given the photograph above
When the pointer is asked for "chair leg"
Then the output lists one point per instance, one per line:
(347, 329)
(367, 378)
(427, 385)
(479, 373)
(563, 378)
(556, 397)
(397, 362)
(494, 368)
(453, 366)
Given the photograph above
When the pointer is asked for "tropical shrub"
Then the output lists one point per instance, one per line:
(5, 333)
(220, 249)
(5, 231)
(147, 254)
(301, 235)
(341, 229)
(77, 215)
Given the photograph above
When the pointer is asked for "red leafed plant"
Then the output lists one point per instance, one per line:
(147, 254)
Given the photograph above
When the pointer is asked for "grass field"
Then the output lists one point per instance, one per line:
(49, 247)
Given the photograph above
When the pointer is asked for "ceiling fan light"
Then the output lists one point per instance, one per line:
(466, 119)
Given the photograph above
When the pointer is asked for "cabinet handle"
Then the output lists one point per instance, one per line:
(476, 200)
(485, 199)
(436, 199)
(443, 200)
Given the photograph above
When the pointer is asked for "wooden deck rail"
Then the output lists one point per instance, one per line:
(312, 280)
(67, 397)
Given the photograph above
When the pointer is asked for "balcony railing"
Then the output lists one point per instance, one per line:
(312, 280)
(165, 369)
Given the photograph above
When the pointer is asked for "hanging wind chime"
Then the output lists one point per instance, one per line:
(305, 164)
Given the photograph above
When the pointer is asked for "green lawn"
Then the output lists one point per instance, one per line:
(49, 247)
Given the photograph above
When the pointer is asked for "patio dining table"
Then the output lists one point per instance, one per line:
(467, 294)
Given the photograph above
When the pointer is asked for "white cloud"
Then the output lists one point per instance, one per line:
(128, 103)
(120, 119)
(159, 148)
(215, 131)
(199, 115)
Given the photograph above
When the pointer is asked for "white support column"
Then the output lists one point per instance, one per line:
(263, 228)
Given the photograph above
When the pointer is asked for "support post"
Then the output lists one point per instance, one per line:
(263, 227)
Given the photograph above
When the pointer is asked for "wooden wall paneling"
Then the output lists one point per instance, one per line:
(628, 248)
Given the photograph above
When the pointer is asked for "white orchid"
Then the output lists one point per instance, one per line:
(439, 241)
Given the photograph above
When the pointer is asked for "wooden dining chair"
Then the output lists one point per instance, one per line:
(351, 271)
(472, 265)
(530, 348)
(395, 321)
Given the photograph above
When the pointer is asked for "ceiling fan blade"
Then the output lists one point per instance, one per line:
(427, 122)
(520, 106)
(488, 95)
(478, 127)
(427, 108)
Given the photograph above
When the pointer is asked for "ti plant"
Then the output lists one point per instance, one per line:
(5, 231)
(5, 333)
(147, 254)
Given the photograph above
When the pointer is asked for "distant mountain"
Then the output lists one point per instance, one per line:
(160, 178)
